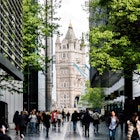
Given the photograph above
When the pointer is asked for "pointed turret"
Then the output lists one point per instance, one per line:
(70, 25)
(70, 36)
(57, 40)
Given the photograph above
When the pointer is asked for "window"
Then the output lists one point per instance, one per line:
(64, 84)
(74, 45)
(63, 55)
(67, 46)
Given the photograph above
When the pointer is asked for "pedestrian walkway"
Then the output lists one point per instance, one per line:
(66, 133)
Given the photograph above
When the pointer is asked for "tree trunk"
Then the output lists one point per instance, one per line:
(128, 92)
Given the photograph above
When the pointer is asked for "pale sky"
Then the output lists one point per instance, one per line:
(72, 11)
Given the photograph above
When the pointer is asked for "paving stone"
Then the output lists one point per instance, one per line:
(66, 133)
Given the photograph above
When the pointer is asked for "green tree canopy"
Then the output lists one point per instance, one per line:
(93, 97)
(114, 41)
(37, 26)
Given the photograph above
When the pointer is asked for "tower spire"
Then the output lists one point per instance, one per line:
(70, 33)
(57, 40)
(70, 25)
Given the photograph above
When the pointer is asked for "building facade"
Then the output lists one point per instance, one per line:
(10, 59)
(70, 63)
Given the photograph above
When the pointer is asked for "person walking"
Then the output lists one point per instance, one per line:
(74, 119)
(112, 124)
(133, 128)
(86, 122)
(3, 135)
(68, 116)
(33, 121)
(63, 115)
(121, 120)
(22, 124)
(59, 119)
(96, 121)
(16, 121)
(46, 117)
(38, 121)
(54, 118)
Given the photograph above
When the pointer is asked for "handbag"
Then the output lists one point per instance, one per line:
(134, 134)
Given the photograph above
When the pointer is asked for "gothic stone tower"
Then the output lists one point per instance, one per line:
(69, 81)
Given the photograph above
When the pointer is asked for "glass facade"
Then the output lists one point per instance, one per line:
(11, 37)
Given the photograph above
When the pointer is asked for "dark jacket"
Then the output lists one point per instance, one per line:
(22, 120)
(4, 136)
(46, 120)
(16, 119)
(86, 118)
(75, 117)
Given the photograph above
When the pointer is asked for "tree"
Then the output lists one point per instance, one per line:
(93, 97)
(36, 27)
(115, 42)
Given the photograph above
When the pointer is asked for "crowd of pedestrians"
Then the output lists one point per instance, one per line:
(36, 120)
(112, 121)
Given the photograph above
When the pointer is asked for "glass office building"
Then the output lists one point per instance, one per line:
(11, 37)
(10, 57)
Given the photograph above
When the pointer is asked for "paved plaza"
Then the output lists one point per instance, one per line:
(66, 133)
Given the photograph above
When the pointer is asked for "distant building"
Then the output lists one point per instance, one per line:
(70, 67)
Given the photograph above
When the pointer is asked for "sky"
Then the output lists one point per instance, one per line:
(72, 11)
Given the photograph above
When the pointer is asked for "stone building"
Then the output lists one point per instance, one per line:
(70, 67)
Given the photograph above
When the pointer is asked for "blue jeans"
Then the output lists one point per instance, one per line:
(112, 134)
(74, 126)
(33, 127)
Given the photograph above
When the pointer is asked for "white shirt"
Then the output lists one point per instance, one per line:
(113, 123)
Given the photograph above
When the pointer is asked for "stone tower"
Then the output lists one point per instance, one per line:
(70, 59)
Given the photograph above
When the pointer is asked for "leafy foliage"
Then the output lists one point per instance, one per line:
(37, 26)
(8, 84)
(93, 96)
(114, 41)
(35, 29)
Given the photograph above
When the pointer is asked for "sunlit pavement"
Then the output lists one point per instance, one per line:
(66, 133)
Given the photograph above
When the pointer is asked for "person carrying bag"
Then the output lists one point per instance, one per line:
(133, 128)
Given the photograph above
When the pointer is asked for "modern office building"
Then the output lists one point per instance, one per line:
(10, 58)
(70, 67)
